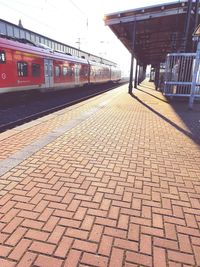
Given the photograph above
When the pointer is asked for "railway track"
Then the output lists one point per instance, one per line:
(15, 113)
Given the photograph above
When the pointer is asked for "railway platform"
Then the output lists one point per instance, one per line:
(112, 181)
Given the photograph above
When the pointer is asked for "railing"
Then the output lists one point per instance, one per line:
(179, 75)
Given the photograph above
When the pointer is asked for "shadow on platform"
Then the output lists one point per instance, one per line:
(191, 118)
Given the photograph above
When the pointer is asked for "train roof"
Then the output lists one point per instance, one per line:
(28, 46)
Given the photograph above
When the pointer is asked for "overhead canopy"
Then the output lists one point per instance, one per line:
(154, 31)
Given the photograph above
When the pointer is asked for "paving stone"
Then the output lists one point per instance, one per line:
(113, 181)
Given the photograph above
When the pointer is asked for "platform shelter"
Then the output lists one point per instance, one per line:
(150, 33)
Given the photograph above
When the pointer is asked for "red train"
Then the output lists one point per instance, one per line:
(25, 66)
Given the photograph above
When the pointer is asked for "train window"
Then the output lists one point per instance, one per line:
(84, 71)
(71, 71)
(57, 71)
(64, 71)
(46, 70)
(35, 70)
(22, 69)
(50, 70)
(2, 57)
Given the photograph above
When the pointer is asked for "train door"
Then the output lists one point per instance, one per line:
(77, 74)
(48, 67)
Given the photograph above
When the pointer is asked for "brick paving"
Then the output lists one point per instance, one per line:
(120, 188)
(14, 140)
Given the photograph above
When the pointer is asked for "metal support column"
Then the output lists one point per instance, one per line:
(196, 22)
(194, 77)
(130, 87)
(139, 75)
(187, 25)
(157, 74)
(196, 13)
(136, 75)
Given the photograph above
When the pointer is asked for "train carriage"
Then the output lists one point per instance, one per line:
(99, 73)
(27, 66)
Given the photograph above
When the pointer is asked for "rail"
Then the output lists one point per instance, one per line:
(179, 75)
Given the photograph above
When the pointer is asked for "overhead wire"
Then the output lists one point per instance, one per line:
(26, 15)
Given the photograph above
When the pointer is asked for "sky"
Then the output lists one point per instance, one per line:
(75, 22)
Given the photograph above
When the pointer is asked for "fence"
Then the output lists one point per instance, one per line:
(179, 75)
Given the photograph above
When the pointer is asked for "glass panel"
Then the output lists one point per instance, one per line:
(10, 30)
(64, 71)
(65, 49)
(50, 71)
(42, 40)
(28, 36)
(2, 28)
(53, 46)
(46, 69)
(57, 70)
(32, 37)
(37, 39)
(16, 32)
(22, 34)
(35, 70)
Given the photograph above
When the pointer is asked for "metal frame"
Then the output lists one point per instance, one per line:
(182, 75)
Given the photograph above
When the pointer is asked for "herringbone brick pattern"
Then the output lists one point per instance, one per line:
(14, 140)
(120, 189)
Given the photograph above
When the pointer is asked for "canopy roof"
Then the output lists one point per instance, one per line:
(159, 30)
